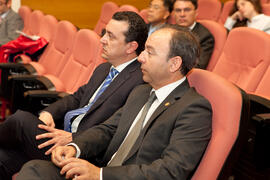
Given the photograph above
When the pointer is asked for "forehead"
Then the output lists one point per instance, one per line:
(159, 40)
(157, 2)
(241, 1)
(117, 27)
(183, 4)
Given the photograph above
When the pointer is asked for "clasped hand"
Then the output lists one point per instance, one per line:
(74, 168)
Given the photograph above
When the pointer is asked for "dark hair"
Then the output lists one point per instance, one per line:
(168, 4)
(194, 2)
(183, 43)
(257, 6)
(137, 30)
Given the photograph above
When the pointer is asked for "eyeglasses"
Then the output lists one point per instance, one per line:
(185, 10)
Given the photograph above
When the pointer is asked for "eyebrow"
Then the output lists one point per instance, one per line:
(151, 48)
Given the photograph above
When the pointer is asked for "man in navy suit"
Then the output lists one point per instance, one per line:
(185, 15)
(25, 137)
(160, 133)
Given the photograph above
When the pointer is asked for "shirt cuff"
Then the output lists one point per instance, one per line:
(229, 23)
(78, 151)
(100, 174)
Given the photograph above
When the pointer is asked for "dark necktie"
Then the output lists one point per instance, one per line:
(81, 111)
(131, 138)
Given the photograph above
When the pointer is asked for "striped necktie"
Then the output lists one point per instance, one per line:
(70, 114)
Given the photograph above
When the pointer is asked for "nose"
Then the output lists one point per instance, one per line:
(182, 13)
(141, 57)
(103, 39)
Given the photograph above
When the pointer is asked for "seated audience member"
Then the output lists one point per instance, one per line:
(185, 15)
(10, 21)
(158, 13)
(248, 13)
(161, 132)
(23, 136)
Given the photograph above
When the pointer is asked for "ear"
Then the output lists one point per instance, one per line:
(166, 15)
(131, 47)
(175, 63)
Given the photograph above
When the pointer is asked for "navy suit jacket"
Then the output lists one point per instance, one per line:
(170, 145)
(109, 101)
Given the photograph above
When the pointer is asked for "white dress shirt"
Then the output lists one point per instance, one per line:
(260, 22)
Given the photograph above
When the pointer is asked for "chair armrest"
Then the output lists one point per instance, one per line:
(36, 100)
(18, 68)
(259, 104)
(265, 117)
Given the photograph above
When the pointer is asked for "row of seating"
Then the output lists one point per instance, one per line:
(249, 71)
(67, 62)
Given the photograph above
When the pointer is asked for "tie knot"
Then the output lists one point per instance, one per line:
(152, 97)
(113, 72)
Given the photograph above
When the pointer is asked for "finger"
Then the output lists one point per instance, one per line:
(57, 156)
(50, 150)
(47, 128)
(45, 135)
(47, 143)
(75, 173)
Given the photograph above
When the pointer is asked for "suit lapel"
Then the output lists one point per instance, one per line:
(115, 84)
(173, 97)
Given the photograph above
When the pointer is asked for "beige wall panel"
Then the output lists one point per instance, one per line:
(82, 13)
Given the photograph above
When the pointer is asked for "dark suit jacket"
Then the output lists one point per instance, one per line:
(8, 26)
(169, 146)
(110, 101)
(207, 43)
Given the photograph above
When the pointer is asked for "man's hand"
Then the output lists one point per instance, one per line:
(57, 138)
(75, 168)
(61, 153)
(47, 118)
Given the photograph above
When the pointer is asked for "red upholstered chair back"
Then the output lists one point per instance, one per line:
(209, 9)
(220, 36)
(107, 11)
(143, 13)
(35, 21)
(227, 7)
(59, 49)
(81, 63)
(266, 9)
(48, 27)
(245, 57)
(25, 12)
(226, 102)
(127, 7)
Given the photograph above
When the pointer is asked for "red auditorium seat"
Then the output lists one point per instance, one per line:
(24, 12)
(143, 14)
(245, 57)
(209, 9)
(227, 7)
(226, 102)
(107, 11)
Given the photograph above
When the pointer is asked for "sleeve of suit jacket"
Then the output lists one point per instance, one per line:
(59, 108)
(207, 43)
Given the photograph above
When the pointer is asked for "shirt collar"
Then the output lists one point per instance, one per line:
(4, 14)
(192, 26)
(120, 67)
(163, 92)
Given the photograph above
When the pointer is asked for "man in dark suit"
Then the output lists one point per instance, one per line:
(185, 15)
(25, 137)
(10, 21)
(160, 133)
